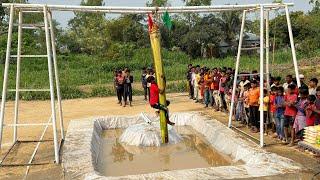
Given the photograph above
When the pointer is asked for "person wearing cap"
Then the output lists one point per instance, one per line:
(303, 85)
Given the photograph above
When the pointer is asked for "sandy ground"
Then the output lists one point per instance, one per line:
(39, 111)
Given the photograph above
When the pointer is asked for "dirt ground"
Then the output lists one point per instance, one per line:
(39, 111)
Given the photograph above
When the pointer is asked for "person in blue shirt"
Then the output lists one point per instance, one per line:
(279, 114)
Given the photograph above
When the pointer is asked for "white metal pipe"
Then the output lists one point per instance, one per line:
(6, 72)
(267, 49)
(254, 74)
(16, 104)
(56, 73)
(237, 68)
(24, 125)
(261, 73)
(293, 49)
(143, 10)
(30, 56)
(29, 90)
(53, 109)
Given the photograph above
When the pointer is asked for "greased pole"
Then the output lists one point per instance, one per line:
(156, 51)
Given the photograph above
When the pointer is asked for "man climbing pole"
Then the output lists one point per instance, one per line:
(154, 99)
(159, 100)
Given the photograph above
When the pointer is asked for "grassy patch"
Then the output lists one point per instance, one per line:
(77, 71)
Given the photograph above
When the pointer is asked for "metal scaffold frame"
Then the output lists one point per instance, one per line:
(52, 74)
(51, 56)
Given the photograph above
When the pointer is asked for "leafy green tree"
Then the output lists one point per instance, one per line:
(230, 23)
(197, 2)
(89, 30)
(158, 3)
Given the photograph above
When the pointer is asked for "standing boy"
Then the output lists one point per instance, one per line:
(253, 101)
(290, 110)
(279, 114)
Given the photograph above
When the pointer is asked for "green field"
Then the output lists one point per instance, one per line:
(84, 76)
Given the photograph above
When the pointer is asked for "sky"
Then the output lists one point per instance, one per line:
(64, 17)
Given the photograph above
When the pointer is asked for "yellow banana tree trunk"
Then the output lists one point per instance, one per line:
(156, 50)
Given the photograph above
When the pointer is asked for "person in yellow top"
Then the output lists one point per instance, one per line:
(196, 85)
(265, 109)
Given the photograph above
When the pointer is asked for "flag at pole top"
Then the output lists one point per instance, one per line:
(167, 20)
(150, 22)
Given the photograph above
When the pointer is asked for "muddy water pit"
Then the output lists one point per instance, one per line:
(208, 150)
(118, 159)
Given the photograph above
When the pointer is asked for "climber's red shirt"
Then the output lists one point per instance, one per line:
(154, 94)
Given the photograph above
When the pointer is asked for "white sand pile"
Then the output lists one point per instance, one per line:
(146, 134)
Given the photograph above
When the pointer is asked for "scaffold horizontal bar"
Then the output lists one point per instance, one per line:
(30, 56)
(250, 48)
(137, 10)
(29, 90)
(255, 74)
(24, 164)
(33, 124)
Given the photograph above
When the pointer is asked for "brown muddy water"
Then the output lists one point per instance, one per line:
(193, 151)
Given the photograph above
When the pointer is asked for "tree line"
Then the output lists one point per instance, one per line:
(96, 34)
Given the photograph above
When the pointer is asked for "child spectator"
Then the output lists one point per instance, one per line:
(317, 103)
(216, 81)
(265, 108)
(201, 87)
(246, 103)
(239, 104)
(279, 114)
(276, 82)
(310, 111)
(290, 110)
(300, 120)
(253, 101)
(255, 76)
(273, 108)
(196, 85)
(119, 85)
(207, 86)
(312, 86)
(144, 83)
(127, 87)
(222, 84)
(189, 72)
(154, 98)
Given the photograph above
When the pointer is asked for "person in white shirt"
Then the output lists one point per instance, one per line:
(244, 81)
(313, 86)
(289, 80)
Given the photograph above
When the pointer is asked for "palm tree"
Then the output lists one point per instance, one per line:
(231, 24)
